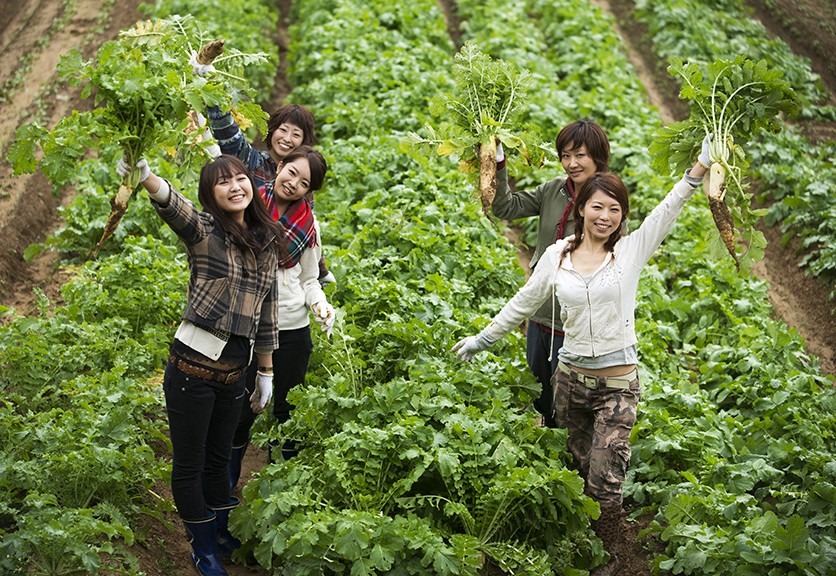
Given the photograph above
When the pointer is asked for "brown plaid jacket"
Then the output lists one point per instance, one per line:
(230, 288)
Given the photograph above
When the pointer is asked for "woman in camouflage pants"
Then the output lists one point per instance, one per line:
(594, 275)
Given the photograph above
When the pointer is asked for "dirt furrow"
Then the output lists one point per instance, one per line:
(800, 301)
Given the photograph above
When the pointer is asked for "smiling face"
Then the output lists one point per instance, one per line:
(286, 138)
(601, 216)
(233, 194)
(293, 181)
(577, 163)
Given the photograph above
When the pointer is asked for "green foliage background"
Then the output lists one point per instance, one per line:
(413, 463)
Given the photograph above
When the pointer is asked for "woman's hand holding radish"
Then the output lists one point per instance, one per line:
(199, 69)
(469, 347)
(156, 187)
(705, 154)
(124, 170)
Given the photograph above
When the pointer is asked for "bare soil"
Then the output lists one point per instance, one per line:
(28, 204)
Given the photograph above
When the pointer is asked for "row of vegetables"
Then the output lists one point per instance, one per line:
(83, 431)
(795, 175)
(412, 462)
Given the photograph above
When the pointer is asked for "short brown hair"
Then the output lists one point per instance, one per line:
(589, 133)
(296, 115)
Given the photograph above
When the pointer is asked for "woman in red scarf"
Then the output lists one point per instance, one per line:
(584, 149)
(300, 173)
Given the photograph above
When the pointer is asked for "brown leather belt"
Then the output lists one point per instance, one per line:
(592, 382)
(205, 373)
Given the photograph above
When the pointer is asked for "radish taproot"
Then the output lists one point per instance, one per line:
(210, 51)
(737, 100)
(490, 96)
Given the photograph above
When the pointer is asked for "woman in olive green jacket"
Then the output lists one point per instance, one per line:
(584, 149)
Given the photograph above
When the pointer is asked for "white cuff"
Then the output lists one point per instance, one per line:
(162, 195)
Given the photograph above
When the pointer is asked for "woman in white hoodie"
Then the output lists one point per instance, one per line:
(594, 276)
(300, 172)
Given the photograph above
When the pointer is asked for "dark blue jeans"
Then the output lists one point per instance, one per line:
(537, 342)
(202, 416)
(290, 364)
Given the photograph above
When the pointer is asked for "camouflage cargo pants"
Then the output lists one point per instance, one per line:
(599, 420)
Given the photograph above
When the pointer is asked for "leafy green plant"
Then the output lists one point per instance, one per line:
(791, 168)
(146, 85)
(389, 476)
(735, 101)
(247, 26)
(490, 96)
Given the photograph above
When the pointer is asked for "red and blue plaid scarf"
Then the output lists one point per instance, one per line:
(297, 222)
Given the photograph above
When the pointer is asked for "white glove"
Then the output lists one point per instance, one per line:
(123, 169)
(324, 314)
(328, 279)
(469, 347)
(705, 156)
(199, 69)
(213, 149)
(500, 153)
(263, 392)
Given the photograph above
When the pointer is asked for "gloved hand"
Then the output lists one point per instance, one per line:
(199, 69)
(263, 392)
(213, 149)
(324, 314)
(469, 347)
(123, 169)
(500, 153)
(329, 278)
(705, 157)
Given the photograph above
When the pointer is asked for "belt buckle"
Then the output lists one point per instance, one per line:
(590, 382)
(232, 377)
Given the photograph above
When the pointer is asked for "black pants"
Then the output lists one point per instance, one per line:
(537, 346)
(202, 415)
(290, 364)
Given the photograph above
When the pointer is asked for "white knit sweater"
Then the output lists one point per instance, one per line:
(299, 287)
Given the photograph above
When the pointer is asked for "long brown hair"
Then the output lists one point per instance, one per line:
(260, 225)
(611, 185)
(589, 133)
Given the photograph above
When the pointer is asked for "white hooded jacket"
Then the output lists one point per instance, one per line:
(598, 318)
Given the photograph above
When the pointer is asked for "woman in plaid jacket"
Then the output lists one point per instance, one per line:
(234, 249)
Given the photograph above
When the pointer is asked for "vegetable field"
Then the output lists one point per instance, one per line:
(414, 463)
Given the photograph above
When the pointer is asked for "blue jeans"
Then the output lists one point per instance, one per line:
(537, 342)
(202, 415)
(290, 364)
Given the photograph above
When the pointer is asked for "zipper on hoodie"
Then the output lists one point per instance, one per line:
(591, 335)
(589, 305)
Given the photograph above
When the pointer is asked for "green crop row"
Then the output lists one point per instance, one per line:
(795, 176)
(83, 418)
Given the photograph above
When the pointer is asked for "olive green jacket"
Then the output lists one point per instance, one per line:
(548, 201)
